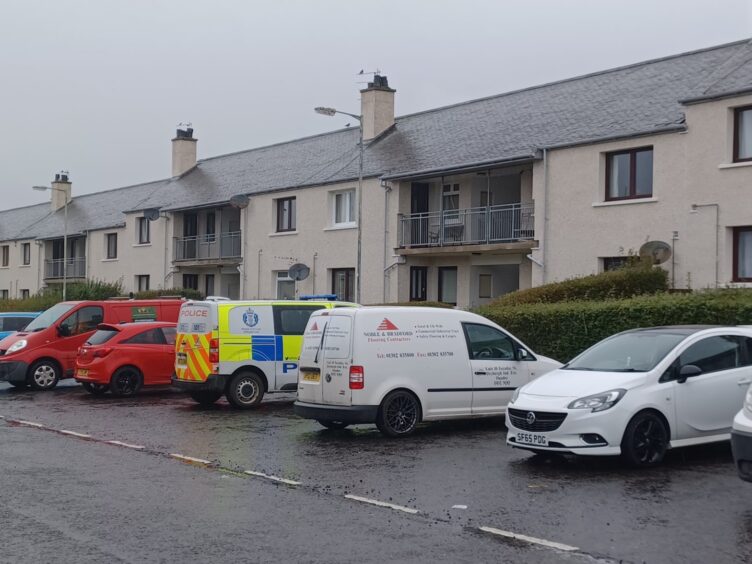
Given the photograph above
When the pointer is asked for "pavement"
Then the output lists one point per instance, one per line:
(157, 478)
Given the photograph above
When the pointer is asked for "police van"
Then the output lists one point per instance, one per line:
(398, 366)
(242, 349)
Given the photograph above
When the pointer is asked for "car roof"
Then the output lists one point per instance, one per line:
(135, 326)
(19, 313)
(677, 329)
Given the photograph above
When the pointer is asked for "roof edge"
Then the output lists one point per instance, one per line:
(712, 97)
(426, 173)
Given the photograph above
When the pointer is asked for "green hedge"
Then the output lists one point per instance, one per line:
(189, 293)
(417, 304)
(616, 284)
(563, 330)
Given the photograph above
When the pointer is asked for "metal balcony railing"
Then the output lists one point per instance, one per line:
(472, 226)
(208, 247)
(76, 268)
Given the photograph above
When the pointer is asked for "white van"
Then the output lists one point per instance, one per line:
(398, 366)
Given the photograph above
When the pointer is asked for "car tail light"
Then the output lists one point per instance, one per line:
(101, 353)
(357, 378)
(214, 350)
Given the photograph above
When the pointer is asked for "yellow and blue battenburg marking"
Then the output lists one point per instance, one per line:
(266, 348)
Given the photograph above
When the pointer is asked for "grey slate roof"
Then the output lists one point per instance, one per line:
(628, 101)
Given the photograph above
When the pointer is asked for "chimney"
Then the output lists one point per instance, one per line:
(377, 107)
(183, 151)
(61, 191)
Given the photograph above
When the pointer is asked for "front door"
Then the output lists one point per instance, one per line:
(496, 370)
(419, 212)
(74, 331)
(706, 403)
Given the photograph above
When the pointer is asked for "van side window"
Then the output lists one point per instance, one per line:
(292, 320)
(484, 342)
(84, 320)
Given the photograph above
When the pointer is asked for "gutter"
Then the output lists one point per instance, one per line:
(470, 167)
(712, 97)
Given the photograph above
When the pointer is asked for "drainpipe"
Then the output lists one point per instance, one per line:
(244, 235)
(165, 265)
(313, 273)
(674, 239)
(544, 277)
(387, 189)
(258, 275)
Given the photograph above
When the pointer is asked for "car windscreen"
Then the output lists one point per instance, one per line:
(101, 336)
(629, 352)
(49, 317)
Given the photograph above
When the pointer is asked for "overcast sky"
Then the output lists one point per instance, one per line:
(97, 87)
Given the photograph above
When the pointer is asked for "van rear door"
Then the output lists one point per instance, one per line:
(312, 359)
(195, 326)
(325, 360)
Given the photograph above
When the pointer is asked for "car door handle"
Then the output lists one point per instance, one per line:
(480, 373)
(744, 382)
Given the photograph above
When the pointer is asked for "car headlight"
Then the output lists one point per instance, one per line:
(598, 402)
(515, 395)
(18, 345)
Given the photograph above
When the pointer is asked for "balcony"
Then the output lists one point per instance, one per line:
(209, 248)
(54, 268)
(492, 225)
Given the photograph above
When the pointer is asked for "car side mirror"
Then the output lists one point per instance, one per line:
(63, 330)
(522, 354)
(687, 371)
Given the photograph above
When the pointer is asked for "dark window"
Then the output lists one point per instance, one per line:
(14, 323)
(743, 254)
(343, 283)
(143, 230)
(170, 334)
(418, 283)
(142, 282)
(209, 285)
(292, 320)
(190, 281)
(4, 294)
(211, 227)
(286, 214)
(743, 134)
(26, 253)
(448, 284)
(111, 245)
(101, 336)
(149, 337)
(629, 174)
(24, 294)
(84, 320)
(614, 263)
(6, 255)
(714, 354)
(484, 342)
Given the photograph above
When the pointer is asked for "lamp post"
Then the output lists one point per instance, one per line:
(331, 112)
(65, 233)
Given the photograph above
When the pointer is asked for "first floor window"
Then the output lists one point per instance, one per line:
(285, 286)
(211, 228)
(6, 255)
(343, 284)
(743, 254)
(344, 207)
(450, 200)
(112, 245)
(190, 281)
(743, 134)
(286, 214)
(26, 254)
(142, 282)
(418, 283)
(629, 174)
(142, 226)
(448, 284)
(24, 294)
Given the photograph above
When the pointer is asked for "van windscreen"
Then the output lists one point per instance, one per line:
(49, 317)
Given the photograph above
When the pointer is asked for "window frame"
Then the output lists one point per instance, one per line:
(737, 119)
(139, 278)
(140, 223)
(278, 277)
(632, 174)
(422, 294)
(735, 272)
(108, 238)
(5, 256)
(25, 294)
(349, 274)
(292, 220)
(441, 271)
(25, 254)
(194, 277)
(351, 207)
(210, 221)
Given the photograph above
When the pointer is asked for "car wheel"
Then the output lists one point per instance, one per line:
(245, 390)
(125, 382)
(399, 414)
(44, 375)
(206, 397)
(645, 440)
(95, 389)
(334, 425)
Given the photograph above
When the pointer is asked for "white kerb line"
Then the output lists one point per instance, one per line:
(125, 445)
(533, 540)
(74, 434)
(273, 478)
(382, 504)
(30, 424)
(191, 459)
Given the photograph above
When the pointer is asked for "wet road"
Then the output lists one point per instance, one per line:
(94, 501)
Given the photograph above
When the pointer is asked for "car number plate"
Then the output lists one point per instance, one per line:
(182, 358)
(532, 439)
(311, 376)
(83, 372)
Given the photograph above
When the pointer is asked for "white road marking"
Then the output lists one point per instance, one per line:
(382, 504)
(30, 424)
(459, 506)
(74, 434)
(525, 538)
(125, 445)
(273, 478)
(191, 459)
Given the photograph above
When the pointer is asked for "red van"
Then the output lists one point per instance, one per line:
(45, 351)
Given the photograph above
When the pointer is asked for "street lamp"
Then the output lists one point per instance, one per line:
(331, 112)
(65, 232)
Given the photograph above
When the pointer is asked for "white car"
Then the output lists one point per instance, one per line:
(637, 394)
(741, 439)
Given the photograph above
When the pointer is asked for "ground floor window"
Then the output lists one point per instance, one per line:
(285, 286)
(190, 281)
(614, 263)
(743, 254)
(142, 282)
(485, 286)
(3, 294)
(343, 284)
(24, 294)
(209, 285)
(418, 283)
(448, 284)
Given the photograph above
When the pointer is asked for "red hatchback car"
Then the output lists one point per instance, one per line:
(122, 358)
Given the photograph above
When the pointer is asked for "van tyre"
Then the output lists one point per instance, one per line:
(645, 440)
(334, 425)
(95, 389)
(245, 390)
(206, 397)
(44, 375)
(126, 382)
(399, 414)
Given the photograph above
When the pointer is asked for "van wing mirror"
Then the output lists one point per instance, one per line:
(687, 371)
(522, 354)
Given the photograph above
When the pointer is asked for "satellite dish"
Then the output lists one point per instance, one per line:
(656, 251)
(240, 201)
(152, 214)
(298, 271)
